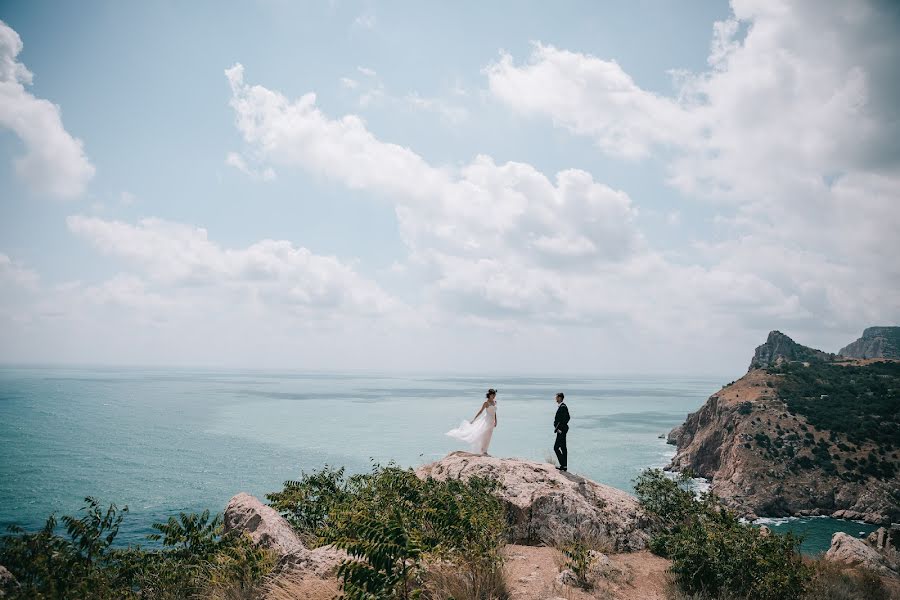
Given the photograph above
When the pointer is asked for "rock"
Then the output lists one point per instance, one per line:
(8, 582)
(883, 539)
(673, 436)
(600, 568)
(547, 506)
(567, 577)
(758, 454)
(262, 523)
(855, 552)
(876, 342)
(321, 562)
(270, 530)
(780, 348)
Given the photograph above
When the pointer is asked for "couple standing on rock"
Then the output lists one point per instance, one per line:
(478, 431)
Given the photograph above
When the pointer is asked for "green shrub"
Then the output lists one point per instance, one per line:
(390, 522)
(307, 502)
(194, 558)
(713, 554)
(578, 558)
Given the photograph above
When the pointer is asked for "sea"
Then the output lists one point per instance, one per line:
(165, 440)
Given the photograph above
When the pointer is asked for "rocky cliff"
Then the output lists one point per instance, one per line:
(800, 435)
(876, 342)
(879, 552)
(779, 349)
(546, 505)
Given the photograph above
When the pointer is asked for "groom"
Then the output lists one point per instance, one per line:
(561, 427)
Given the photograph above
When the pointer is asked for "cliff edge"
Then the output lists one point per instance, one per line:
(802, 433)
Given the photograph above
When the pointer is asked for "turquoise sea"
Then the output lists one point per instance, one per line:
(168, 440)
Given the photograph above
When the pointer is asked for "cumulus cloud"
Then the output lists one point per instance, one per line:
(592, 97)
(289, 279)
(794, 128)
(54, 162)
(504, 242)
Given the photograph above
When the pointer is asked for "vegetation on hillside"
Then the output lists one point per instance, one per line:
(712, 552)
(195, 559)
(715, 555)
(391, 523)
(862, 402)
(406, 538)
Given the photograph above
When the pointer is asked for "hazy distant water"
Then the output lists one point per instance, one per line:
(165, 440)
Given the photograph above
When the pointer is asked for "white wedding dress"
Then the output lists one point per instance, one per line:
(478, 433)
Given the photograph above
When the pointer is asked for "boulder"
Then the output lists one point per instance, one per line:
(547, 506)
(8, 582)
(855, 552)
(885, 540)
(321, 562)
(270, 530)
(262, 523)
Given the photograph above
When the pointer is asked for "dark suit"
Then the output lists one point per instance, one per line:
(561, 427)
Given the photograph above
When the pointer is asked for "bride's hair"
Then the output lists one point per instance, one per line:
(489, 392)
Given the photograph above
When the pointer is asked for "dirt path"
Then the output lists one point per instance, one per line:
(531, 574)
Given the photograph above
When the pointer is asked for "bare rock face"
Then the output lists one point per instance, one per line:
(855, 552)
(885, 539)
(546, 505)
(780, 348)
(321, 562)
(262, 523)
(758, 456)
(268, 529)
(876, 342)
(8, 582)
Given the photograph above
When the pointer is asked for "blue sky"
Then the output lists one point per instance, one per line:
(740, 173)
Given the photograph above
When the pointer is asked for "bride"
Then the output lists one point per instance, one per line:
(478, 432)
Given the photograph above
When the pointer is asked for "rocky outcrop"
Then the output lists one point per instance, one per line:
(268, 529)
(876, 342)
(780, 348)
(546, 505)
(858, 553)
(8, 583)
(764, 460)
(262, 523)
(886, 539)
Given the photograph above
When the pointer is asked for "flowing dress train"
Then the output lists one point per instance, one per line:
(478, 433)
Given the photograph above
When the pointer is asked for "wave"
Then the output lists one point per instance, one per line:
(774, 521)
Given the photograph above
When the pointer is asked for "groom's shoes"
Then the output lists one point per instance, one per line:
(561, 469)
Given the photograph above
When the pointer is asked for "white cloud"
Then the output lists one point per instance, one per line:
(126, 198)
(592, 97)
(503, 242)
(367, 71)
(233, 159)
(795, 127)
(288, 279)
(54, 162)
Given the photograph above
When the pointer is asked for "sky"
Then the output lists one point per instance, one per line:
(503, 187)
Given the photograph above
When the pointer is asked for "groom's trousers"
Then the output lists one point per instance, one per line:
(562, 453)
